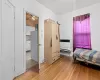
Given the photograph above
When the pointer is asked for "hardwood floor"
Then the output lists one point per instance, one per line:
(63, 69)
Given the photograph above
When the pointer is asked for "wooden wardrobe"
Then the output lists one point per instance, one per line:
(51, 41)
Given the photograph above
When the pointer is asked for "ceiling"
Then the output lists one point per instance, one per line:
(64, 6)
(31, 20)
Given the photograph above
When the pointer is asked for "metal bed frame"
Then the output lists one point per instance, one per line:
(82, 60)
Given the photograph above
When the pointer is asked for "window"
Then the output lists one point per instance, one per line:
(81, 32)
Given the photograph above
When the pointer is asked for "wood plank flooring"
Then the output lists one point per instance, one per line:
(63, 69)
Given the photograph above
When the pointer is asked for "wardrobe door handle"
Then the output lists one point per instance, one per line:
(51, 43)
(59, 33)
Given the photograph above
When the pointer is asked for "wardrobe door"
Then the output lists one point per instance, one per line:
(48, 41)
(57, 40)
(8, 47)
(54, 43)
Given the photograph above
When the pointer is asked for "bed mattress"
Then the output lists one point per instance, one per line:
(87, 55)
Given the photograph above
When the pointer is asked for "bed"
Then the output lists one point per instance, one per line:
(88, 56)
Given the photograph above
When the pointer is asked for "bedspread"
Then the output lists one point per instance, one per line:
(88, 55)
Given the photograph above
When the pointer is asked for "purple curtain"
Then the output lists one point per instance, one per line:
(81, 32)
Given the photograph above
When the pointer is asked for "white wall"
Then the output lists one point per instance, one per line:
(66, 22)
(37, 9)
(0, 37)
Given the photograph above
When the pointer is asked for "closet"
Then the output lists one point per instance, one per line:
(51, 41)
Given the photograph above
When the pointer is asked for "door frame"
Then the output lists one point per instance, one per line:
(24, 38)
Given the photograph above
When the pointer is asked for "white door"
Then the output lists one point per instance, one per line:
(8, 47)
(34, 46)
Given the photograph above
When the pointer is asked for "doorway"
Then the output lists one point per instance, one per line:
(32, 40)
